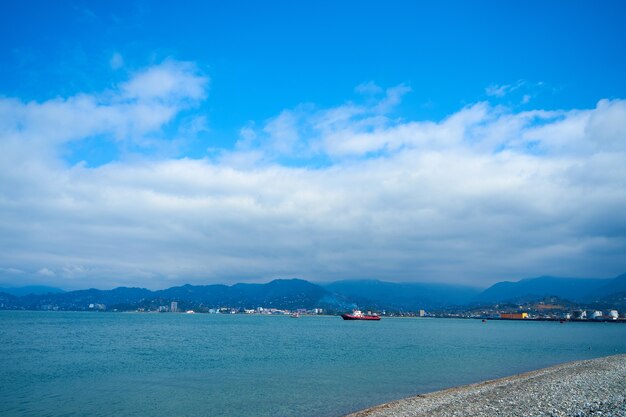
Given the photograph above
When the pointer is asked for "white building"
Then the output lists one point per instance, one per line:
(596, 315)
(174, 307)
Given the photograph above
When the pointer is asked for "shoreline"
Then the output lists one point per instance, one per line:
(581, 388)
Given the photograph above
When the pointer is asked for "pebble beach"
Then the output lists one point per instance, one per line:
(595, 387)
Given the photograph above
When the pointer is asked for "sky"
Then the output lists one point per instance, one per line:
(152, 144)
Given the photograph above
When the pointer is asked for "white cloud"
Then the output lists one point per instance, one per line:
(497, 90)
(170, 81)
(369, 88)
(11, 271)
(518, 93)
(46, 272)
(486, 193)
(117, 61)
(137, 108)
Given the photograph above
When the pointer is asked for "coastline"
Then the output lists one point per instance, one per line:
(581, 388)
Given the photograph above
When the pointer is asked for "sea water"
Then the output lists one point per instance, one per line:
(133, 364)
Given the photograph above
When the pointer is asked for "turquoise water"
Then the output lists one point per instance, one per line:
(101, 364)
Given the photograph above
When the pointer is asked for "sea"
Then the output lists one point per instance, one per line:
(141, 364)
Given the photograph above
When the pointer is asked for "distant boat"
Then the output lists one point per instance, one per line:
(295, 316)
(190, 312)
(358, 315)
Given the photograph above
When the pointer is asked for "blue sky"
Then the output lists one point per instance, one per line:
(264, 57)
(248, 111)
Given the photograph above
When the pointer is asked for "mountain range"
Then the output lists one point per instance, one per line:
(573, 289)
(335, 296)
(30, 289)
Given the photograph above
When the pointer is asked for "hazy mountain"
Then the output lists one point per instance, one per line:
(6, 298)
(616, 301)
(30, 289)
(82, 298)
(335, 296)
(403, 296)
(280, 293)
(293, 293)
(574, 289)
(614, 286)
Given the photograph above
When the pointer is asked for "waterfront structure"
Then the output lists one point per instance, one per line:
(174, 307)
(596, 315)
(514, 316)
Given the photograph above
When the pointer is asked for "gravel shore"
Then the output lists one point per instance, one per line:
(594, 387)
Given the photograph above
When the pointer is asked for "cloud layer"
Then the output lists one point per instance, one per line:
(346, 192)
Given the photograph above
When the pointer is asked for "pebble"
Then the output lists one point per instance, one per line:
(595, 387)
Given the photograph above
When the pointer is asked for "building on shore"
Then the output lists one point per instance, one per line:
(596, 315)
(514, 316)
(174, 307)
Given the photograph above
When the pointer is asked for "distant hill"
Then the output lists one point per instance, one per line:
(613, 294)
(614, 286)
(80, 299)
(334, 296)
(282, 294)
(574, 289)
(403, 296)
(30, 289)
(616, 301)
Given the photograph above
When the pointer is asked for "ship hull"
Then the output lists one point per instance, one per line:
(367, 318)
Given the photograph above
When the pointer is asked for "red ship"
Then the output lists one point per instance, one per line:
(358, 315)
